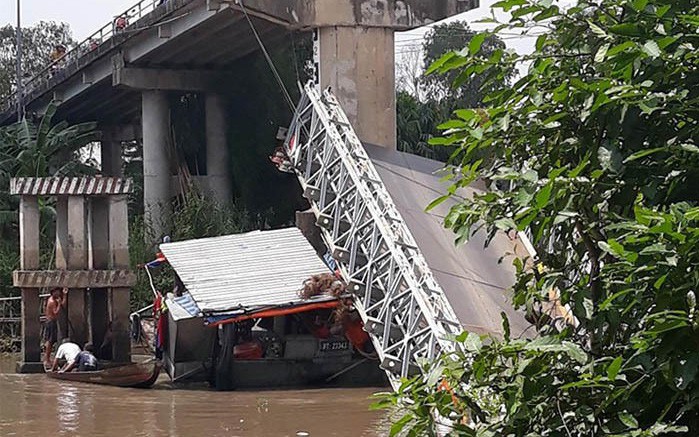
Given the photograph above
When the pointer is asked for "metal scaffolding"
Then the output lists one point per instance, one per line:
(404, 309)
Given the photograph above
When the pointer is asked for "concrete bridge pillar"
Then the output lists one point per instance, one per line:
(110, 153)
(358, 63)
(217, 160)
(155, 119)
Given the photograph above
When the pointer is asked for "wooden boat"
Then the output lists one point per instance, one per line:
(138, 375)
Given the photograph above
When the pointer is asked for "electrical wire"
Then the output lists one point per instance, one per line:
(268, 58)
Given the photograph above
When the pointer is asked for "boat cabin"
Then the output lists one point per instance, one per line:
(260, 309)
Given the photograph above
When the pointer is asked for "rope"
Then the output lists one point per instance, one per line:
(268, 58)
(150, 279)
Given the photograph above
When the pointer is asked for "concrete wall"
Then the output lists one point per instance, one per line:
(358, 63)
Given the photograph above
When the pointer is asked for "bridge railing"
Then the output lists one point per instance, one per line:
(121, 24)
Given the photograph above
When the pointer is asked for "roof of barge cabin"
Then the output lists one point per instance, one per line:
(244, 273)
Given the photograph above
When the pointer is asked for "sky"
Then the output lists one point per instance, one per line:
(84, 16)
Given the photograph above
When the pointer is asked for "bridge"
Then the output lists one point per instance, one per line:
(415, 286)
(120, 75)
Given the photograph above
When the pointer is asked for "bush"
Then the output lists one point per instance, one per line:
(196, 216)
(596, 149)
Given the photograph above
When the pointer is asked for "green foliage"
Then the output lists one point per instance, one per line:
(9, 262)
(452, 89)
(38, 42)
(257, 109)
(417, 123)
(593, 152)
(36, 149)
(428, 100)
(48, 148)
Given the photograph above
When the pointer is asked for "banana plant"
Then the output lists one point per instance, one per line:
(28, 149)
(52, 149)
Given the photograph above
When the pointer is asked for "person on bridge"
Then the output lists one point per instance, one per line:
(59, 51)
(68, 351)
(54, 304)
(120, 23)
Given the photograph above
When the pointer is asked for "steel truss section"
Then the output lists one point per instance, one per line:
(403, 308)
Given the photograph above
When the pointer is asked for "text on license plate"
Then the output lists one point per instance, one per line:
(333, 345)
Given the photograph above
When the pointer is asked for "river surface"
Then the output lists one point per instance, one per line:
(33, 405)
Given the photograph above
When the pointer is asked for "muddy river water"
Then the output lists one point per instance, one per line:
(33, 405)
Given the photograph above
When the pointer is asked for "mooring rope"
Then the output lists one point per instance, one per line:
(268, 58)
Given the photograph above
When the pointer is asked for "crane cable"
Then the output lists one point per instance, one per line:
(268, 58)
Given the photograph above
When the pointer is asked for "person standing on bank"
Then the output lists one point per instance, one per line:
(54, 304)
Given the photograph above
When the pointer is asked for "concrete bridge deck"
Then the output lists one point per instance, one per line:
(195, 44)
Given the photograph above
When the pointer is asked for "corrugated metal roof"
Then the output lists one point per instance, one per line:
(245, 271)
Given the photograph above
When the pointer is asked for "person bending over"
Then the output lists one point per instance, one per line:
(84, 362)
(68, 351)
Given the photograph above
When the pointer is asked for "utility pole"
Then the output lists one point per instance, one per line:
(20, 87)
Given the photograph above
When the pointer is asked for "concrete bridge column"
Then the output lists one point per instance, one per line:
(110, 153)
(156, 162)
(217, 160)
(358, 63)
(98, 220)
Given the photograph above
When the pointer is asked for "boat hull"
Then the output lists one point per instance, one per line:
(138, 375)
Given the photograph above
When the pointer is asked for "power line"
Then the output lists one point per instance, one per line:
(505, 38)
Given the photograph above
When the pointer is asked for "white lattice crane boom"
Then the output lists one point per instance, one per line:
(403, 307)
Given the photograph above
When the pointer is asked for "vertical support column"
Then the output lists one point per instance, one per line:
(119, 259)
(29, 260)
(111, 160)
(77, 260)
(99, 246)
(110, 153)
(359, 64)
(61, 233)
(156, 165)
(62, 253)
(217, 158)
(29, 233)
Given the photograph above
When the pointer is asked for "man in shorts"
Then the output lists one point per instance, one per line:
(54, 304)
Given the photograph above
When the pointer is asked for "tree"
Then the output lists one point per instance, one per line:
(38, 42)
(417, 123)
(49, 149)
(423, 101)
(597, 144)
(31, 149)
(451, 88)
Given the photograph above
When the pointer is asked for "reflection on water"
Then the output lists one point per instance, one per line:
(33, 405)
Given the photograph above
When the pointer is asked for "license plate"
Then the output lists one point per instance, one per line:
(333, 345)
